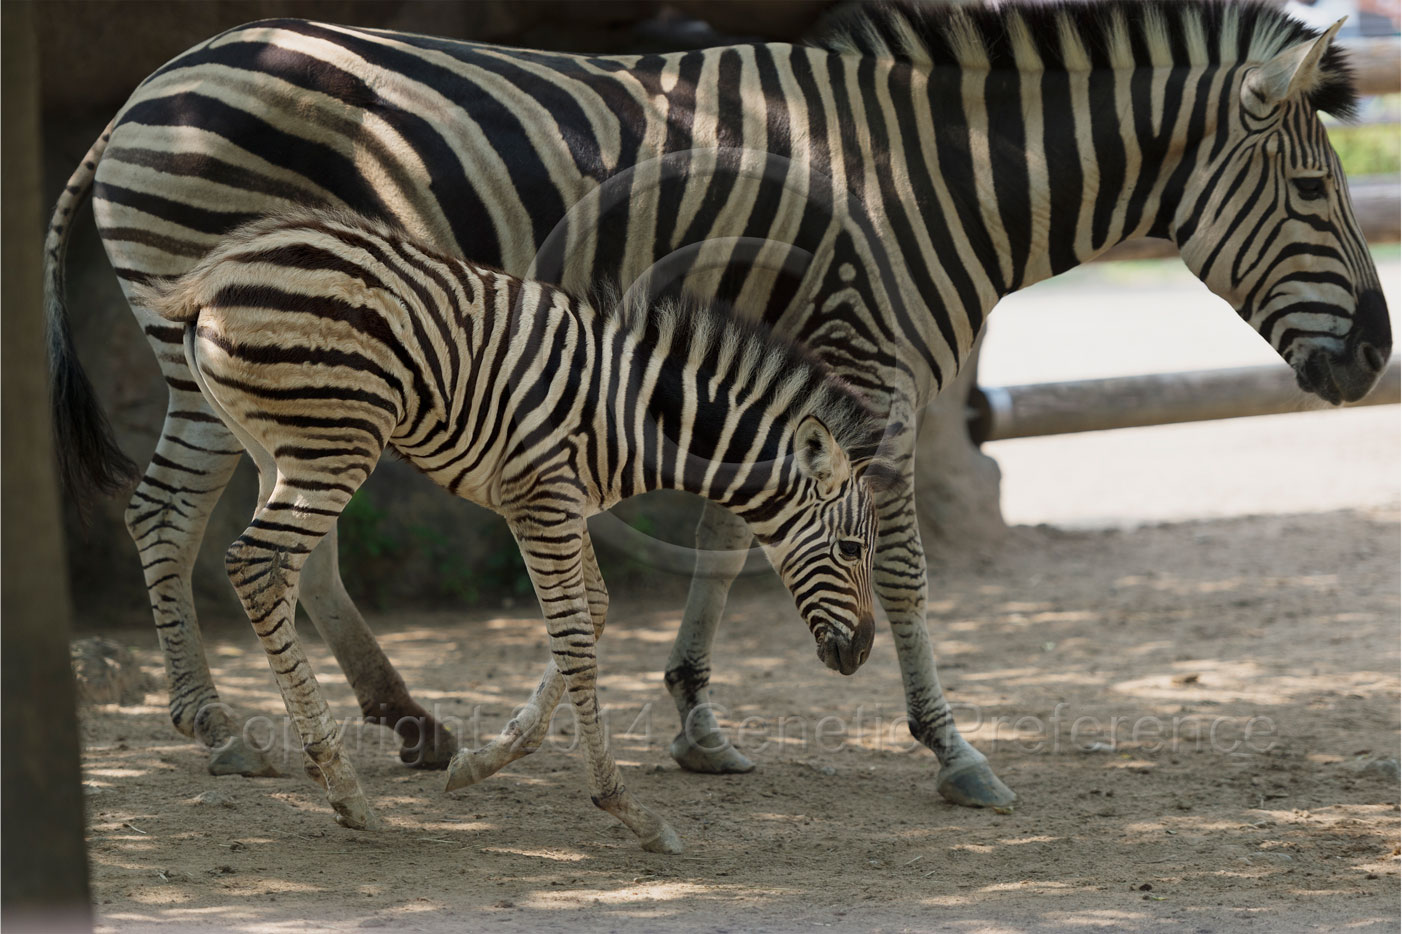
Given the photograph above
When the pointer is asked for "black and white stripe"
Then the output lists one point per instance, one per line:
(870, 195)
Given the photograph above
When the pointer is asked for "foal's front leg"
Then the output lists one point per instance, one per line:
(554, 555)
(527, 729)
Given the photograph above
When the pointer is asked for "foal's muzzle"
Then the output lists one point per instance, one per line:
(844, 653)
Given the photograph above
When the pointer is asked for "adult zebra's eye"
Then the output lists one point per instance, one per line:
(850, 549)
(1310, 189)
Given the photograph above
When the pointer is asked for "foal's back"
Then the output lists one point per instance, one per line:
(339, 337)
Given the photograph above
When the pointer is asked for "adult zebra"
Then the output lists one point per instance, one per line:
(871, 195)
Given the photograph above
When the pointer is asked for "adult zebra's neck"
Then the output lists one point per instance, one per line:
(1079, 161)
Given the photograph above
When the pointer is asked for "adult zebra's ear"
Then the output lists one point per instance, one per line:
(1293, 71)
(819, 456)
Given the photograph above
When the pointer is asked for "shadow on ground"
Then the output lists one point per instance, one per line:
(1197, 718)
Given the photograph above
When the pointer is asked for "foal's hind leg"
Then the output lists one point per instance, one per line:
(265, 565)
(526, 731)
(425, 743)
(299, 502)
(166, 517)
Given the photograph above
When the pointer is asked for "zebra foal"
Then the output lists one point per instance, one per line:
(321, 339)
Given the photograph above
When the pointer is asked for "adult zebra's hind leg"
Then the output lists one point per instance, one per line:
(424, 742)
(965, 777)
(722, 540)
(527, 729)
(166, 517)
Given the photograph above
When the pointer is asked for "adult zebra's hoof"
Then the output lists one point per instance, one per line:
(973, 785)
(236, 757)
(712, 754)
(434, 754)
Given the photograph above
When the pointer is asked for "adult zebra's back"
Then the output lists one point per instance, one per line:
(871, 195)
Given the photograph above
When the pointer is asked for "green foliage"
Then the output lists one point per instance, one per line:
(1368, 150)
(387, 563)
(367, 549)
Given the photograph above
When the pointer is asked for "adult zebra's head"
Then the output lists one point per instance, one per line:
(1267, 224)
(821, 542)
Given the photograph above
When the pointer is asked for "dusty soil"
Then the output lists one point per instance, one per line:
(1193, 716)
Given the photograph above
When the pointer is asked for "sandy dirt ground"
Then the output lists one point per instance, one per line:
(1198, 719)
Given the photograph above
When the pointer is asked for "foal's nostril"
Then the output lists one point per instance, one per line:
(1373, 358)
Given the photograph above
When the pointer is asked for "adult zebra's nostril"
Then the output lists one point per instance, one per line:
(1373, 358)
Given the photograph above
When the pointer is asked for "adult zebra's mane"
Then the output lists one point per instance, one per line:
(1077, 36)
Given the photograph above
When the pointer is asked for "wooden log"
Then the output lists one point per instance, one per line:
(999, 413)
(1375, 64)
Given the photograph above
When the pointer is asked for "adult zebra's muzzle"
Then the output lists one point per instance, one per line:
(844, 653)
(1348, 374)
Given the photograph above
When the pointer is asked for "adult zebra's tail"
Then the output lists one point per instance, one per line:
(88, 455)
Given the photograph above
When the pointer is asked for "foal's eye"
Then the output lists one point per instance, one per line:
(1310, 189)
(850, 549)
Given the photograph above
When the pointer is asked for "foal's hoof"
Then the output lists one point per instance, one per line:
(435, 753)
(236, 757)
(973, 785)
(467, 768)
(712, 754)
(666, 841)
(356, 815)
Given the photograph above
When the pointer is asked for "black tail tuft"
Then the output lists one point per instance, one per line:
(89, 458)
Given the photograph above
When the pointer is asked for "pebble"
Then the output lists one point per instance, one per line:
(1385, 769)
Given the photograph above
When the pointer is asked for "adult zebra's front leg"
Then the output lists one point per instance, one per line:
(899, 572)
(722, 543)
(553, 553)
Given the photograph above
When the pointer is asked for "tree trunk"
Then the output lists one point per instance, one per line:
(957, 487)
(43, 866)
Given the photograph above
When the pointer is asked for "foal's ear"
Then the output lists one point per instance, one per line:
(819, 455)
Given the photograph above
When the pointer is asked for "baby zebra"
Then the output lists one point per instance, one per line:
(321, 339)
